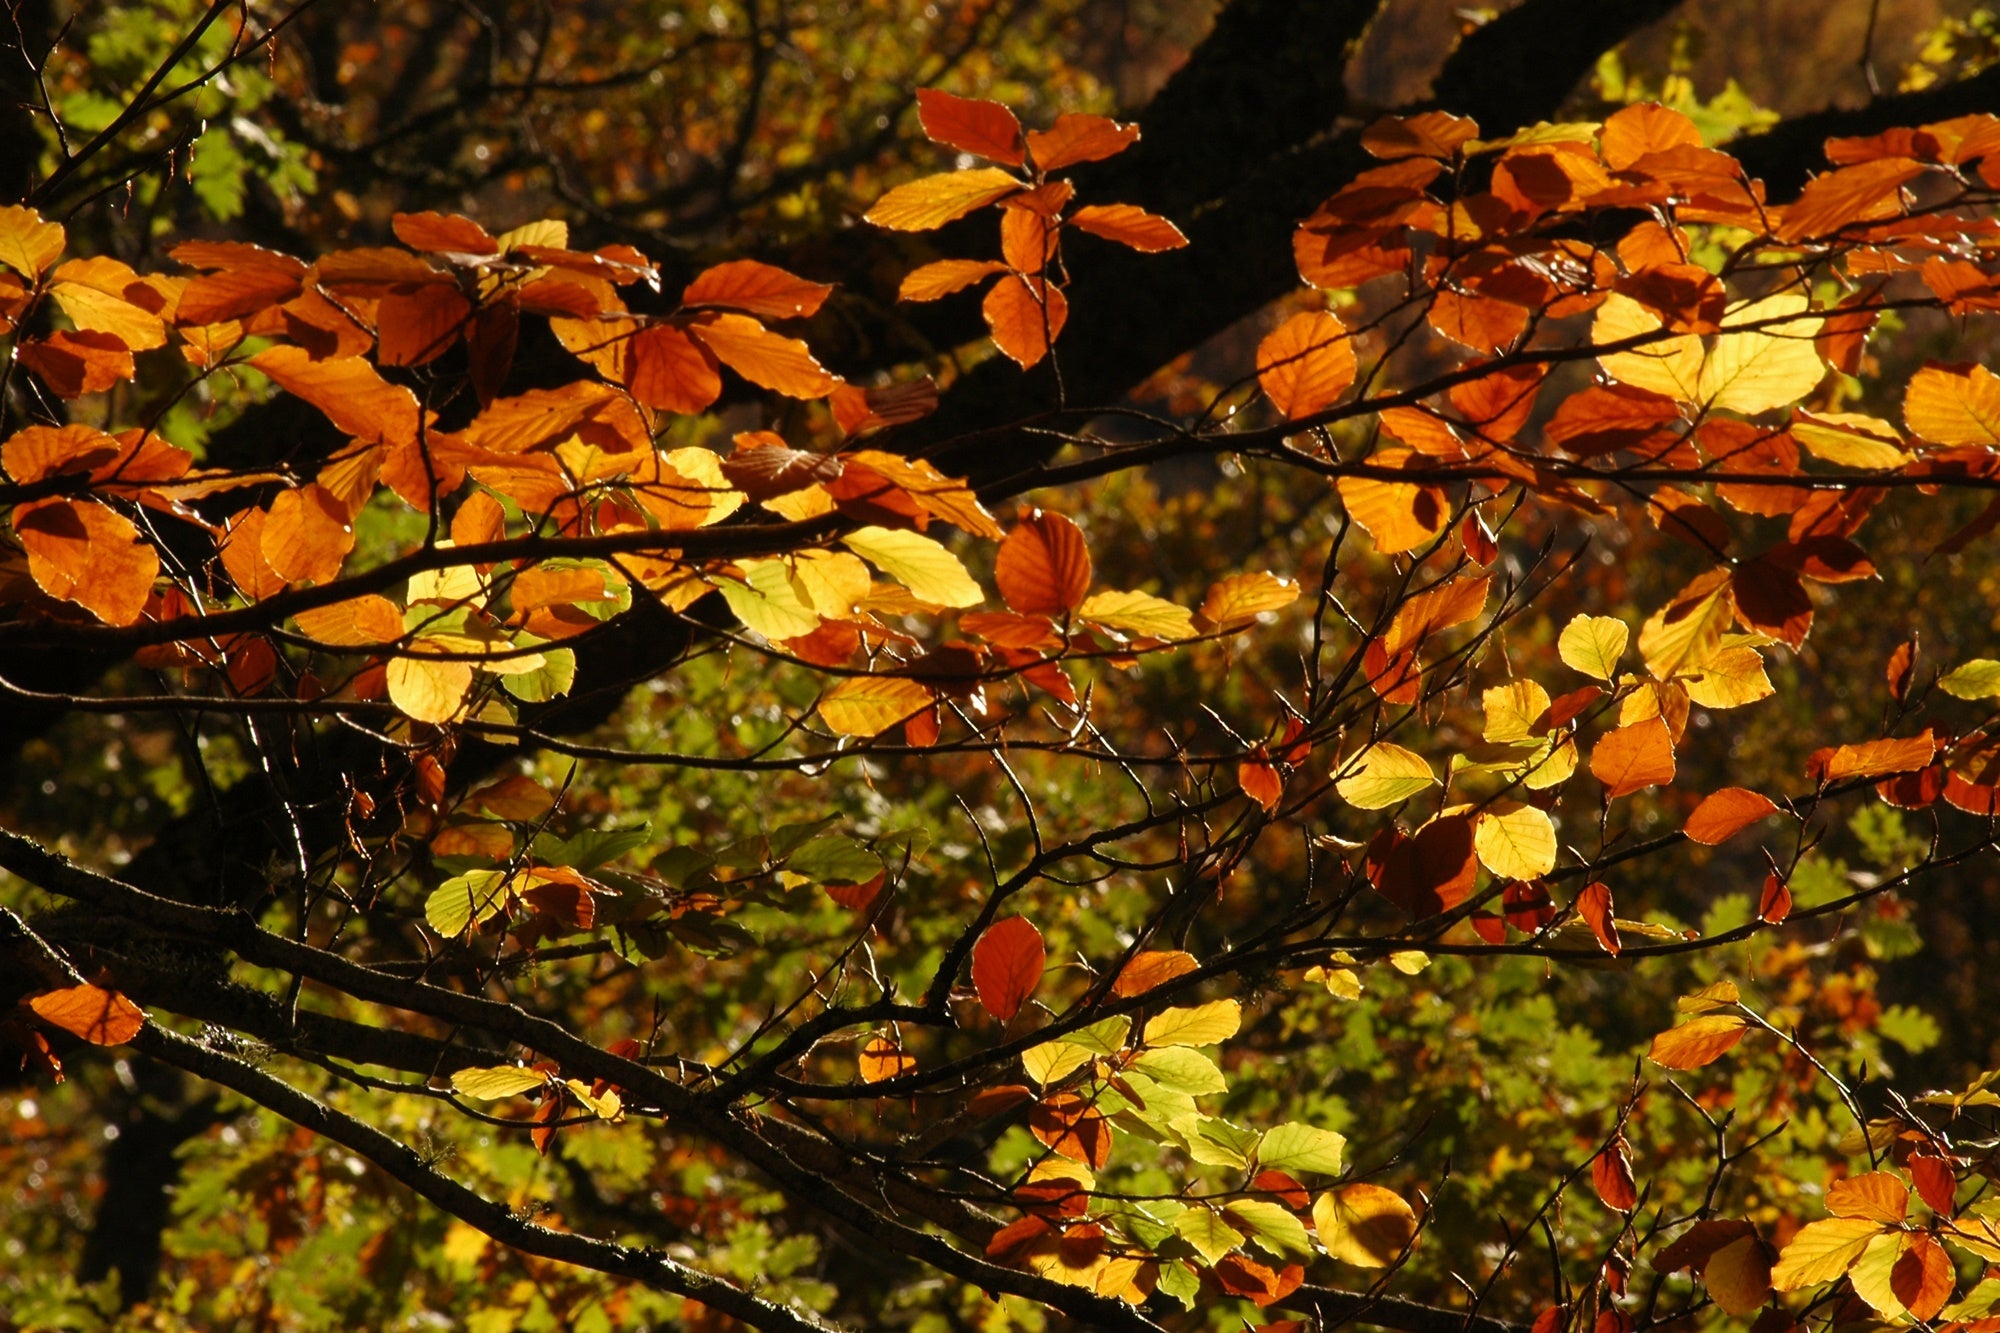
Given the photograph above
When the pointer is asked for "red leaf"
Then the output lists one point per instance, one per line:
(971, 125)
(1724, 814)
(1428, 874)
(1936, 1185)
(1902, 669)
(1774, 903)
(1611, 1173)
(1007, 965)
(1594, 906)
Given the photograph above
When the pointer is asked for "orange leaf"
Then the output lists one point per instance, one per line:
(881, 1058)
(243, 557)
(307, 535)
(1129, 225)
(1242, 1276)
(1594, 906)
(420, 325)
(1151, 969)
(1923, 1278)
(1025, 315)
(1399, 515)
(1028, 241)
(1633, 758)
(1043, 568)
(349, 391)
(1724, 814)
(80, 551)
(935, 200)
(46, 451)
(1936, 1185)
(1873, 759)
(1427, 134)
(1774, 903)
(1007, 965)
(1306, 363)
(1611, 1173)
(1071, 1127)
(783, 365)
(971, 125)
(368, 619)
(1261, 782)
(1880, 1196)
(246, 278)
(760, 289)
(1076, 138)
(1638, 131)
(944, 277)
(1863, 193)
(443, 233)
(669, 370)
(74, 363)
(99, 1016)
(1699, 1041)
(1954, 405)
(27, 244)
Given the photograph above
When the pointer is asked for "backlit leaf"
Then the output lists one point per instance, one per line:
(1957, 404)
(1364, 1225)
(497, 1081)
(460, 903)
(1724, 814)
(1515, 841)
(1129, 225)
(1977, 679)
(1271, 1226)
(1386, 775)
(1025, 314)
(933, 201)
(1077, 138)
(1755, 370)
(945, 276)
(1699, 1041)
(1306, 364)
(1633, 758)
(870, 705)
(84, 552)
(1738, 1276)
(429, 689)
(1670, 365)
(99, 1016)
(1007, 965)
(1240, 598)
(928, 570)
(1152, 969)
(1043, 567)
(1138, 613)
(1593, 645)
(971, 125)
(783, 365)
(1199, 1025)
(28, 245)
(881, 1058)
(759, 289)
(1878, 1195)
(1300, 1148)
(1822, 1251)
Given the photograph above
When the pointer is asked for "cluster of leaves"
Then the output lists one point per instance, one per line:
(1476, 376)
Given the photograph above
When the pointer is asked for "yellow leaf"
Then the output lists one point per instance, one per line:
(935, 200)
(1199, 1025)
(928, 570)
(833, 583)
(1241, 598)
(1823, 1251)
(768, 602)
(1515, 841)
(1685, 633)
(1734, 676)
(27, 244)
(428, 689)
(1138, 613)
(1593, 645)
(1513, 709)
(870, 705)
(1053, 1061)
(1738, 1276)
(1954, 405)
(1384, 775)
(1364, 1225)
(1551, 765)
(496, 1081)
(605, 1106)
(1668, 365)
(462, 902)
(1848, 439)
(1756, 370)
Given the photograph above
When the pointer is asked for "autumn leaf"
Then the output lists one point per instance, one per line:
(1593, 645)
(1007, 965)
(1150, 970)
(1130, 226)
(1954, 404)
(28, 245)
(494, 1082)
(870, 705)
(1823, 1251)
(101, 1017)
(1611, 1176)
(1241, 598)
(1199, 1025)
(1138, 613)
(757, 289)
(927, 569)
(429, 689)
(1306, 364)
(83, 552)
(1515, 841)
(971, 125)
(1364, 1225)
(1261, 782)
(1043, 566)
(1699, 1041)
(944, 276)
(1633, 758)
(1078, 138)
(1384, 775)
(1724, 814)
(935, 200)
(780, 364)
(881, 1058)
(1024, 315)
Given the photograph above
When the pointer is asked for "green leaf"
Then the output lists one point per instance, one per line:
(1295, 1147)
(497, 1081)
(1208, 1233)
(835, 859)
(551, 680)
(592, 847)
(1213, 1141)
(458, 903)
(1182, 1069)
(1271, 1226)
(1977, 679)
(1180, 1282)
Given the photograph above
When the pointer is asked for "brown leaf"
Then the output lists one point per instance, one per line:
(1071, 1127)
(1611, 1174)
(1923, 1278)
(1430, 873)
(1426, 134)
(1007, 965)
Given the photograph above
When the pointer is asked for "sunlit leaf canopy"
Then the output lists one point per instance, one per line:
(970, 665)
